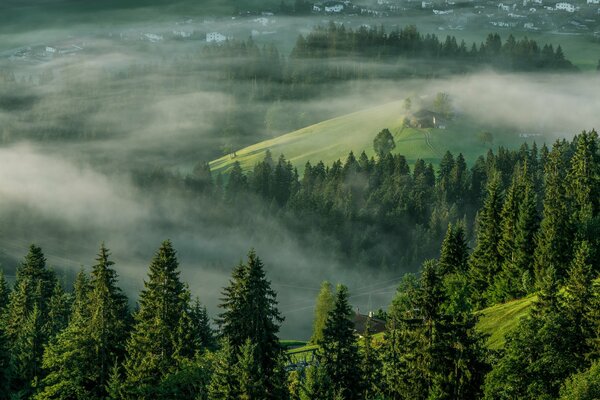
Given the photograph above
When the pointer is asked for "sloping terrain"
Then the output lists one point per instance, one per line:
(333, 139)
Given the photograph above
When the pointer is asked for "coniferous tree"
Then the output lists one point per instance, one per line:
(485, 260)
(82, 357)
(59, 308)
(27, 319)
(224, 384)
(554, 241)
(324, 305)
(203, 334)
(250, 312)
(454, 255)
(338, 355)
(370, 364)
(152, 346)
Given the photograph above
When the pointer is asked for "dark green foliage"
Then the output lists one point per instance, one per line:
(555, 240)
(337, 40)
(384, 143)
(27, 320)
(454, 255)
(224, 383)
(81, 358)
(370, 364)
(584, 385)
(5, 367)
(547, 346)
(486, 260)
(153, 343)
(250, 313)
(338, 355)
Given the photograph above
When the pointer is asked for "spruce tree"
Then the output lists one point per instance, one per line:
(82, 357)
(224, 384)
(486, 260)
(153, 343)
(338, 355)
(454, 254)
(27, 322)
(554, 241)
(250, 312)
(323, 306)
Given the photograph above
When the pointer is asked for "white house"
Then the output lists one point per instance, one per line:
(317, 8)
(215, 37)
(334, 8)
(50, 50)
(183, 34)
(568, 7)
(443, 12)
(152, 37)
(504, 7)
(426, 4)
(593, 1)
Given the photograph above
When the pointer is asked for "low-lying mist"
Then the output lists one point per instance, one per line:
(75, 131)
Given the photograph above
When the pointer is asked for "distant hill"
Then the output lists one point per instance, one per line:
(333, 139)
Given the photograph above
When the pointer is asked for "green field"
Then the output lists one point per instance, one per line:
(333, 139)
(498, 320)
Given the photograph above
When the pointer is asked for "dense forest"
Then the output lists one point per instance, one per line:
(535, 218)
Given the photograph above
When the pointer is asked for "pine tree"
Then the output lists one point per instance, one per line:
(583, 181)
(454, 254)
(370, 364)
(109, 318)
(224, 382)
(338, 355)
(517, 243)
(152, 345)
(246, 373)
(58, 311)
(81, 289)
(485, 260)
(27, 320)
(554, 241)
(82, 357)
(323, 306)
(250, 312)
(204, 336)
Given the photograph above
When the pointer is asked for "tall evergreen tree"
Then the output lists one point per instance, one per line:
(152, 345)
(324, 305)
(27, 319)
(454, 255)
(554, 241)
(338, 355)
(250, 312)
(82, 357)
(486, 260)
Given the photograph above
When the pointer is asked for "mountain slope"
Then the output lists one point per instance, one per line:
(333, 139)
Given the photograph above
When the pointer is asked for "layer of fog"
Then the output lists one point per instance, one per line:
(70, 195)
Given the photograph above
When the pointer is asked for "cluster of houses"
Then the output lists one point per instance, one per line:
(331, 7)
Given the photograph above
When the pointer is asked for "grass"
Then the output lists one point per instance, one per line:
(495, 321)
(333, 139)
(498, 320)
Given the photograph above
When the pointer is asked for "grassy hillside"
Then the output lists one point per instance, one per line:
(498, 320)
(495, 321)
(333, 139)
